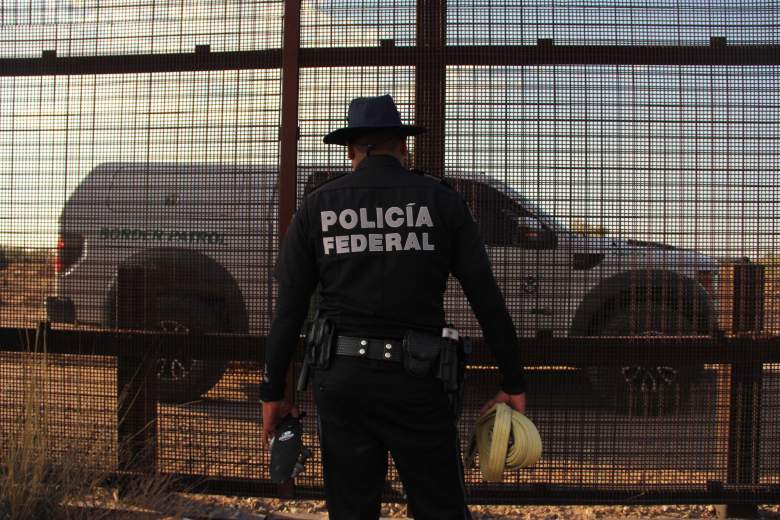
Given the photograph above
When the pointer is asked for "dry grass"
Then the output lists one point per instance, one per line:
(33, 483)
(43, 477)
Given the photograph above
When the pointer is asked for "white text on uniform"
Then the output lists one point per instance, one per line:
(410, 216)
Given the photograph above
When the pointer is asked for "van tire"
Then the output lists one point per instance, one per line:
(184, 379)
(641, 390)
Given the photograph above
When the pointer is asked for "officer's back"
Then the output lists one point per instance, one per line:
(384, 239)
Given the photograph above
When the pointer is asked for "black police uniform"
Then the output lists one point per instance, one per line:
(382, 241)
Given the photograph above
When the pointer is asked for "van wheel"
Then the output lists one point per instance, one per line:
(639, 389)
(182, 379)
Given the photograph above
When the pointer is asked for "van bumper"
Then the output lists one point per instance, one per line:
(60, 310)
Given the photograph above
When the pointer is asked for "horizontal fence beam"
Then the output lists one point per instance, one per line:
(49, 64)
(520, 55)
(542, 494)
(574, 351)
(389, 55)
(236, 347)
(629, 350)
(613, 55)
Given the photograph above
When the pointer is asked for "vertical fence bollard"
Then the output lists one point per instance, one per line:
(136, 378)
(137, 413)
(744, 429)
(742, 291)
(288, 148)
(136, 303)
(429, 76)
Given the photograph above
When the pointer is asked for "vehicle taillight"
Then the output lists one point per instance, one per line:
(70, 246)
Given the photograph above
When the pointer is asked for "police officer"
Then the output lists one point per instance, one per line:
(381, 242)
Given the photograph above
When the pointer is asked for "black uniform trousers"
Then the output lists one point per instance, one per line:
(367, 408)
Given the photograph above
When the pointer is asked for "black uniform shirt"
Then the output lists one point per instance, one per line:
(382, 241)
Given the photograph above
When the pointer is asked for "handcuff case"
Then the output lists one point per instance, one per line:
(421, 352)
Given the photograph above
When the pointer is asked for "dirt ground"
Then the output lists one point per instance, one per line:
(23, 290)
(249, 508)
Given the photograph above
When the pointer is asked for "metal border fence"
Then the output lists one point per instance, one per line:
(739, 390)
(737, 358)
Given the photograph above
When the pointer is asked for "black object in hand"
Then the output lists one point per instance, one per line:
(288, 454)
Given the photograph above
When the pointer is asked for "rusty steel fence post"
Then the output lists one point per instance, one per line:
(288, 150)
(744, 435)
(137, 412)
(137, 393)
(740, 385)
(135, 304)
(430, 79)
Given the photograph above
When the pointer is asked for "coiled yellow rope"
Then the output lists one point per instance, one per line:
(492, 440)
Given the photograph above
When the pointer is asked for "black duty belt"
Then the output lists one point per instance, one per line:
(370, 348)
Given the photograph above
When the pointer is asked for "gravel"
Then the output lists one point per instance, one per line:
(250, 508)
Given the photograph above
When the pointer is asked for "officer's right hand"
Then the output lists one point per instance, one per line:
(273, 412)
(516, 401)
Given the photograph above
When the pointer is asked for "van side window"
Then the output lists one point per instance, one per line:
(496, 214)
(503, 221)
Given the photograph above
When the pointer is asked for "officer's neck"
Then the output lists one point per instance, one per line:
(361, 161)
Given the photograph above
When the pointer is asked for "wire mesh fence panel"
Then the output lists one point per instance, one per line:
(475, 22)
(112, 169)
(769, 465)
(620, 159)
(61, 404)
(325, 96)
(352, 24)
(93, 28)
(219, 436)
(587, 444)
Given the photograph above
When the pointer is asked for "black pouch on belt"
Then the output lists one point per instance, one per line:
(421, 353)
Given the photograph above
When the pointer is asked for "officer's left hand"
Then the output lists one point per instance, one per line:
(515, 401)
(273, 412)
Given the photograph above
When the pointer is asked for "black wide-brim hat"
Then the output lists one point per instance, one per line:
(368, 114)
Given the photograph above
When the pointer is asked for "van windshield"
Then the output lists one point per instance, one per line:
(533, 208)
(553, 223)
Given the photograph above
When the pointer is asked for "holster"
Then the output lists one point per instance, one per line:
(319, 344)
(449, 364)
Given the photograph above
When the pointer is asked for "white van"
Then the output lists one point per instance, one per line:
(207, 233)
